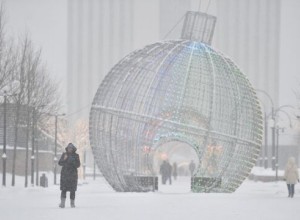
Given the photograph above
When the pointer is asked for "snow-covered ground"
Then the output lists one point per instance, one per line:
(260, 171)
(96, 200)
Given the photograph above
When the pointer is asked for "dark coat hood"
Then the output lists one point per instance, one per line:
(72, 146)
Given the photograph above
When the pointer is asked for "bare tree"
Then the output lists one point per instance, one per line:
(39, 93)
(19, 76)
(35, 93)
(7, 56)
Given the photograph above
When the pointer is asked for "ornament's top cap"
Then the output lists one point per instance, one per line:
(198, 26)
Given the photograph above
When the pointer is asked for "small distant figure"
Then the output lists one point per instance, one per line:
(69, 175)
(291, 175)
(169, 172)
(166, 172)
(163, 172)
(192, 167)
(43, 181)
(175, 170)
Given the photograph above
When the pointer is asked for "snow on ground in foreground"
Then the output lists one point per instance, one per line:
(260, 171)
(96, 200)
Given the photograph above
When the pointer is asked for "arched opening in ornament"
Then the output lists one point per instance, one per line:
(176, 156)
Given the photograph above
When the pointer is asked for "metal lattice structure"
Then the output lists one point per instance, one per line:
(180, 90)
(198, 27)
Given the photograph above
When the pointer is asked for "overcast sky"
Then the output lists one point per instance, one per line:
(46, 22)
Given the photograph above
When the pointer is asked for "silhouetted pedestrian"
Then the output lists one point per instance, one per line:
(192, 167)
(169, 172)
(69, 175)
(166, 172)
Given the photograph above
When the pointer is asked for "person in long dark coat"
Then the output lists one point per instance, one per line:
(164, 172)
(69, 176)
(169, 172)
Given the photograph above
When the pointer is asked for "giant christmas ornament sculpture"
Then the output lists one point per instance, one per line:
(180, 90)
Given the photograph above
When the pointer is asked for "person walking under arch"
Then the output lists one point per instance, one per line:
(192, 167)
(166, 172)
(169, 172)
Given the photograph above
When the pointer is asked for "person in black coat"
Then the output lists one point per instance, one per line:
(166, 172)
(69, 176)
(192, 167)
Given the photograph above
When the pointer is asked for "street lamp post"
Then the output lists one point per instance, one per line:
(27, 145)
(55, 146)
(4, 157)
(37, 164)
(13, 88)
(265, 159)
(277, 137)
(32, 147)
(266, 132)
(273, 138)
(275, 131)
(55, 150)
(277, 152)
